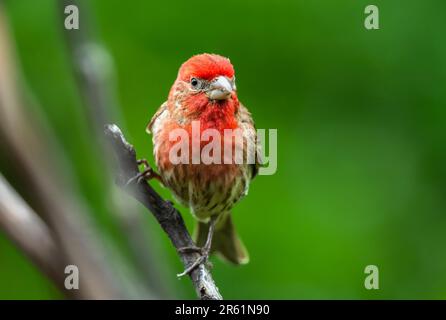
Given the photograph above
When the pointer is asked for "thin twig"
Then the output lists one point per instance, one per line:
(167, 216)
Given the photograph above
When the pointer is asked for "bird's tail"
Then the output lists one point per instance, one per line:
(225, 242)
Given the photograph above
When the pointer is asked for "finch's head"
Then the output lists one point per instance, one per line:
(210, 75)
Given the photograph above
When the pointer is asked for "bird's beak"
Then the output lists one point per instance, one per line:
(219, 89)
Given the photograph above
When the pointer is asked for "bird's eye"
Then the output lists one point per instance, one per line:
(195, 83)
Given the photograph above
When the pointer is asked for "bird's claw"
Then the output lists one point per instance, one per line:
(147, 174)
(203, 259)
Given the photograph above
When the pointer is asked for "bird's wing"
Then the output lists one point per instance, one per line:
(161, 112)
(246, 123)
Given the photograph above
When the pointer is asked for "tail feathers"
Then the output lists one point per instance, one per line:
(225, 243)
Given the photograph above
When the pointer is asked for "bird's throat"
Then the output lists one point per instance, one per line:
(219, 115)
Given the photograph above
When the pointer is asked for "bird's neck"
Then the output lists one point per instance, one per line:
(219, 115)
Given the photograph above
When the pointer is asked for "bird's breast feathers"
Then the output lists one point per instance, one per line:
(205, 188)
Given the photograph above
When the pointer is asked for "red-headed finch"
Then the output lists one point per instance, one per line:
(204, 93)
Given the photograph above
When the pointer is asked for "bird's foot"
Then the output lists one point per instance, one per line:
(202, 259)
(204, 252)
(147, 174)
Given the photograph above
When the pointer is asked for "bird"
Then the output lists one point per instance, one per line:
(205, 92)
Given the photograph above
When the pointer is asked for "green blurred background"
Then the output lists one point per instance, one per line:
(361, 118)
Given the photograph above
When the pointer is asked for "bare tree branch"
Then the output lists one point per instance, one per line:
(167, 216)
(30, 233)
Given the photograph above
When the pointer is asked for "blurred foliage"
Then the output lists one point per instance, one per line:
(361, 126)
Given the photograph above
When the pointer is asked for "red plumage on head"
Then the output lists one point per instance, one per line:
(216, 114)
(206, 66)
